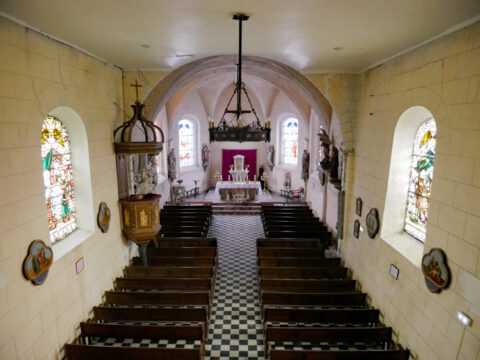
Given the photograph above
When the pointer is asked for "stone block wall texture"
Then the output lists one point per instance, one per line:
(444, 77)
(37, 75)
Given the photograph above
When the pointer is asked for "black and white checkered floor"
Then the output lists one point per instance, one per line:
(236, 324)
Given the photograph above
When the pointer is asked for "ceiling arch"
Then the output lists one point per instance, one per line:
(299, 88)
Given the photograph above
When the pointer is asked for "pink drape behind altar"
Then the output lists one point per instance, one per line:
(250, 159)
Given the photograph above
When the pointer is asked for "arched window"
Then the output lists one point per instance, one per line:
(420, 184)
(57, 177)
(290, 141)
(186, 142)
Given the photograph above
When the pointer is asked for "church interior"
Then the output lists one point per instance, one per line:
(240, 179)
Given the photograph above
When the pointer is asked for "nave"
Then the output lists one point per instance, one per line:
(273, 297)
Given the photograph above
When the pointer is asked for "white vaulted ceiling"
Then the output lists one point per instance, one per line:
(301, 33)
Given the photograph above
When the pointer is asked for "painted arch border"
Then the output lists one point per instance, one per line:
(272, 71)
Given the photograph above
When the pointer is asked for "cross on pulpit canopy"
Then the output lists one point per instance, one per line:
(136, 86)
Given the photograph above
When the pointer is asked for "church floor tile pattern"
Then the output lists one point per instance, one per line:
(235, 330)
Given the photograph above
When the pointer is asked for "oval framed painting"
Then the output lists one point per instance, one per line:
(103, 217)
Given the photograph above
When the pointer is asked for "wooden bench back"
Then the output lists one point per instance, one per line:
(83, 352)
(164, 284)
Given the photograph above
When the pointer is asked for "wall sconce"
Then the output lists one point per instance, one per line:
(464, 318)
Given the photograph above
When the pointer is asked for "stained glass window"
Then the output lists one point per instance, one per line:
(186, 142)
(290, 141)
(57, 177)
(420, 184)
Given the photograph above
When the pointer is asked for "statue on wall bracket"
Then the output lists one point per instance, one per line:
(305, 164)
(172, 163)
(329, 162)
(205, 157)
(270, 157)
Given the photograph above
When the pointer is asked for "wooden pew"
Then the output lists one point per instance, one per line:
(90, 330)
(365, 317)
(164, 284)
(183, 252)
(95, 352)
(289, 252)
(164, 242)
(370, 335)
(298, 262)
(269, 297)
(339, 355)
(324, 236)
(312, 285)
(168, 272)
(290, 243)
(181, 261)
(173, 232)
(197, 297)
(150, 314)
(303, 272)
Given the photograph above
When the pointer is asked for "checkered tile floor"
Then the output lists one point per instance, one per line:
(236, 326)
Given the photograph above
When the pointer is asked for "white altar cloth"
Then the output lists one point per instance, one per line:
(237, 185)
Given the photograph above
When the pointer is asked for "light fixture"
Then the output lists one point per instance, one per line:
(237, 129)
(464, 319)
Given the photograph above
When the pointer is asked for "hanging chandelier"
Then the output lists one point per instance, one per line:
(237, 129)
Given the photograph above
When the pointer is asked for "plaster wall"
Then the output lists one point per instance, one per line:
(444, 77)
(38, 75)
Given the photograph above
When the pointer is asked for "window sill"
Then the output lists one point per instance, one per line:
(406, 245)
(61, 248)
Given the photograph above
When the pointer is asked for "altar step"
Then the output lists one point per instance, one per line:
(236, 209)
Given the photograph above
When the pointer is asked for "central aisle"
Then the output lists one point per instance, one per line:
(235, 330)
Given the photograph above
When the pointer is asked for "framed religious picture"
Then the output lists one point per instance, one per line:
(103, 217)
(436, 270)
(356, 228)
(373, 223)
(37, 262)
(358, 208)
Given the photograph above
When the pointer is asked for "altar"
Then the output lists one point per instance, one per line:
(238, 191)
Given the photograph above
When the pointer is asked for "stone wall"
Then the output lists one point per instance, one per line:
(38, 75)
(444, 77)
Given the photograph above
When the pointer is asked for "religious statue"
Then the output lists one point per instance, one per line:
(288, 180)
(260, 177)
(172, 163)
(334, 163)
(205, 157)
(270, 156)
(325, 143)
(305, 164)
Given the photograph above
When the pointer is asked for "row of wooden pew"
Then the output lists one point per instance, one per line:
(287, 220)
(160, 311)
(185, 219)
(311, 309)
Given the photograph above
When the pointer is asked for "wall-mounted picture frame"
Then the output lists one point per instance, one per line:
(436, 271)
(358, 207)
(373, 223)
(103, 217)
(37, 262)
(356, 228)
